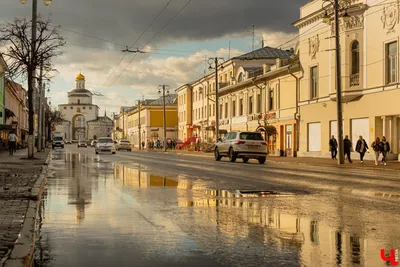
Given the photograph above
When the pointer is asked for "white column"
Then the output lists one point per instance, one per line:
(394, 141)
(384, 126)
(255, 101)
(267, 96)
(245, 103)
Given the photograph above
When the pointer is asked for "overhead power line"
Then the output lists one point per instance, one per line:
(137, 39)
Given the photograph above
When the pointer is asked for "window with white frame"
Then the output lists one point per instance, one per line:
(391, 65)
(314, 82)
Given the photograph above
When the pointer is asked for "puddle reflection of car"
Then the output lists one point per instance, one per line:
(82, 144)
(244, 145)
(105, 144)
(124, 145)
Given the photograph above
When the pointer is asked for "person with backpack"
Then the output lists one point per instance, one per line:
(377, 149)
(385, 149)
(361, 148)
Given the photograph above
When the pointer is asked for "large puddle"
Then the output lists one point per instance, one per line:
(100, 213)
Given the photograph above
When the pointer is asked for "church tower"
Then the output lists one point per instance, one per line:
(80, 81)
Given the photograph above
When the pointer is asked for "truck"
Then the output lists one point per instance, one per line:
(57, 140)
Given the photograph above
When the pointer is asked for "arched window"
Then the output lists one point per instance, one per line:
(80, 122)
(241, 77)
(355, 58)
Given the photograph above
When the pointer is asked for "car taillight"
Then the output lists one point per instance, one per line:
(264, 143)
(240, 142)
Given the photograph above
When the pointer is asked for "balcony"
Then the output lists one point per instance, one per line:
(355, 80)
(222, 85)
(256, 73)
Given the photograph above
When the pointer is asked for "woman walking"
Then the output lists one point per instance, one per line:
(385, 148)
(377, 149)
(361, 148)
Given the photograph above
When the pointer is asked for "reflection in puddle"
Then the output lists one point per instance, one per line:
(106, 214)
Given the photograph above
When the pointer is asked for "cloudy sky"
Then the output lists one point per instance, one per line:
(177, 43)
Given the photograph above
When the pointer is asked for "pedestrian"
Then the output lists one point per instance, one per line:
(361, 148)
(143, 144)
(347, 148)
(377, 149)
(12, 139)
(385, 149)
(333, 145)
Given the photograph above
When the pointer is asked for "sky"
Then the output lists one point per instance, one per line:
(177, 36)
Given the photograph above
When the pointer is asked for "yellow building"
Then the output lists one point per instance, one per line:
(370, 75)
(152, 120)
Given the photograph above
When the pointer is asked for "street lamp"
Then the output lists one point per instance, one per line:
(164, 89)
(339, 6)
(214, 64)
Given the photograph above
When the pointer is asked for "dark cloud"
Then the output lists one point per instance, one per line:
(123, 20)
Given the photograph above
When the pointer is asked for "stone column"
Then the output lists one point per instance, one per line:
(255, 101)
(394, 137)
(245, 103)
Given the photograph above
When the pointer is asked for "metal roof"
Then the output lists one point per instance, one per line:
(169, 101)
(265, 53)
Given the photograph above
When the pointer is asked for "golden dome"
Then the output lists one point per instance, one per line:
(80, 77)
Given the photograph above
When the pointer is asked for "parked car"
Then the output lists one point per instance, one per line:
(244, 145)
(93, 144)
(68, 142)
(82, 143)
(105, 144)
(124, 145)
(75, 141)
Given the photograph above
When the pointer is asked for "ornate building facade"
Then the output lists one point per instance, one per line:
(81, 116)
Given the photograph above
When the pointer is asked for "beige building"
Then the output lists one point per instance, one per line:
(370, 75)
(252, 85)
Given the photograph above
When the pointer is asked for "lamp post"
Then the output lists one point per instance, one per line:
(339, 6)
(139, 127)
(33, 73)
(214, 65)
(164, 88)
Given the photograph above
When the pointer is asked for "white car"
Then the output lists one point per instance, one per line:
(244, 145)
(124, 145)
(105, 144)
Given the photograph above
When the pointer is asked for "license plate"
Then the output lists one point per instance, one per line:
(252, 146)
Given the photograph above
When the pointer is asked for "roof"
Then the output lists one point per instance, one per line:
(169, 101)
(78, 95)
(265, 53)
(80, 91)
(102, 119)
(251, 69)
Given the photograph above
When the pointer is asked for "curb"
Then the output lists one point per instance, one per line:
(22, 255)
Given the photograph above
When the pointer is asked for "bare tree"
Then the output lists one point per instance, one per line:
(53, 118)
(22, 60)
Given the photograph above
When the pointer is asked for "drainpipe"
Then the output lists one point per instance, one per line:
(297, 113)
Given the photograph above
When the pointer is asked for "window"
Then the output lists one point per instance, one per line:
(251, 136)
(79, 101)
(232, 135)
(226, 110)
(241, 107)
(72, 108)
(271, 100)
(314, 82)
(202, 112)
(355, 58)
(258, 103)
(84, 107)
(90, 107)
(250, 105)
(241, 77)
(220, 111)
(209, 110)
(65, 107)
(233, 108)
(391, 53)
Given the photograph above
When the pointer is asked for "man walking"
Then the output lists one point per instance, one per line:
(12, 139)
(361, 148)
(347, 148)
(333, 145)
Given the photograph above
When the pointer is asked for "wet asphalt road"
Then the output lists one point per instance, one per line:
(155, 209)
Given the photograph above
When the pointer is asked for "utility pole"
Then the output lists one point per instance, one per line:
(164, 88)
(216, 61)
(39, 109)
(253, 37)
(339, 85)
(140, 135)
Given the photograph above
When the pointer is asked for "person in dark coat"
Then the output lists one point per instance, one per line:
(385, 149)
(333, 145)
(361, 147)
(347, 148)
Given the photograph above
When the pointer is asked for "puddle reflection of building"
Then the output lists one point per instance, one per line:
(317, 244)
(79, 186)
(143, 179)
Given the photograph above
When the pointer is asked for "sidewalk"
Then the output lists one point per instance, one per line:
(19, 178)
(322, 162)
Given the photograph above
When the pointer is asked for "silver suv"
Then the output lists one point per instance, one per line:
(244, 145)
